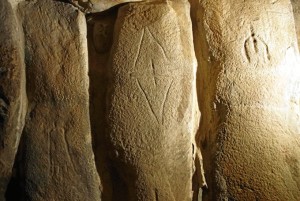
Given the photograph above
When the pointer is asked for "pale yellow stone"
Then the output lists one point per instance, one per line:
(152, 109)
(249, 99)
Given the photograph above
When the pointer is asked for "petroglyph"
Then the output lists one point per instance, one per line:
(158, 42)
(148, 101)
(256, 49)
(155, 101)
(102, 32)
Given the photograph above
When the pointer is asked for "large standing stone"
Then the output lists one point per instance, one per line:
(59, 162)
(13, 102)
(249, 89)
(152, 104)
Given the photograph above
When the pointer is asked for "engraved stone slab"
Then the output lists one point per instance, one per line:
(59, 162)
(152, 112)
(13, 102)
(249, 89)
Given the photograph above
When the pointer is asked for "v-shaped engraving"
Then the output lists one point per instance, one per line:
(156, 94)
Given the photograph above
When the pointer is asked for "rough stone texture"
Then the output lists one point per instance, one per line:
(152, 108)
(296, 8)
(13, 100)
(58, 158)
(93, 6)
(249, 69)
(100, 37)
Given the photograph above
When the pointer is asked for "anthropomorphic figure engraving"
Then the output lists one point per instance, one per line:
(58, 158)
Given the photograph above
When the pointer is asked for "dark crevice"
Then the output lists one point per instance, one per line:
(100, 27)
(119, 187)
(15, 188)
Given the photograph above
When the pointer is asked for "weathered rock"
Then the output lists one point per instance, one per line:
(296, 8)
(93, 6)
(13, 102)
(100, 37)
(152, 108)
(249, 103)
(58, 158)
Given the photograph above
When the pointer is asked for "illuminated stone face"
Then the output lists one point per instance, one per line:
(152, 80)
(125, 88)
(248, 83)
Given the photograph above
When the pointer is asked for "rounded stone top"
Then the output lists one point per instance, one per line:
(93, 6)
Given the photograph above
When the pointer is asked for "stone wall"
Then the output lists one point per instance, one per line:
(101, 100)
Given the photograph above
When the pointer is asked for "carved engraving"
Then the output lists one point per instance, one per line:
(67, 149)
(51, 157)
(157, 41)
(148, 101)
(102, 33)
(55, 147)
(156, 194)
(156, 95)
(256, 49)
(139, 47)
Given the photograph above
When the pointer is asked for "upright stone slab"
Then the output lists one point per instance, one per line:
(13, 100)
(59, 162)
(152, 109)
(249, 89)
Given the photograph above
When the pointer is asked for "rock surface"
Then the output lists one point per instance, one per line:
(152, 108)
(58, 159)
(249, 103)
(93, 6)
(13, 102)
